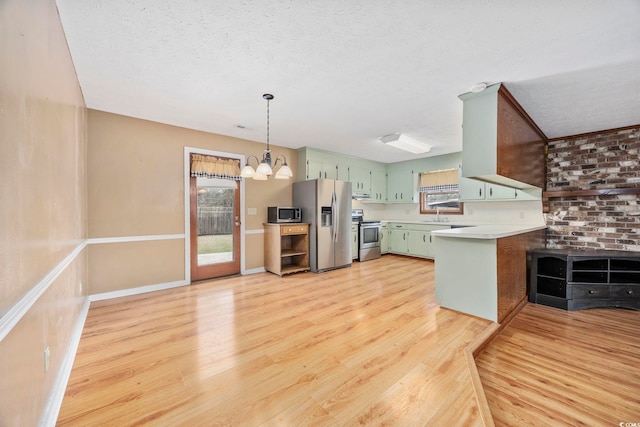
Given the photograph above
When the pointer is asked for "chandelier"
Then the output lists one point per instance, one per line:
(266, 167)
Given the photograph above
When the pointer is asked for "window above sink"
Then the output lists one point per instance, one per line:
(439, 193)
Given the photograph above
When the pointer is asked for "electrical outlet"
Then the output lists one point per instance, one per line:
(521, 214)
(80, 287)
(47, 356)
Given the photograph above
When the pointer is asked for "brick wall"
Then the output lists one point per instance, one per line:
(606, 160)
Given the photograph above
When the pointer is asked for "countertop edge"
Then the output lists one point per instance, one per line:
(488, 231)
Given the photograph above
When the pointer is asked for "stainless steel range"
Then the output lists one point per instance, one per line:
(369, 236)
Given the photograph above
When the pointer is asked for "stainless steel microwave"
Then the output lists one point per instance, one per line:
(277, 214)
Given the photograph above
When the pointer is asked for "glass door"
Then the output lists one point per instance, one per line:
(215, 228)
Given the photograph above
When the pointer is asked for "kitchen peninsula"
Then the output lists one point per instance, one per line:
(482, 270)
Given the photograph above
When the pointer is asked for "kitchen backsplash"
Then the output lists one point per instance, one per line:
(511, 212)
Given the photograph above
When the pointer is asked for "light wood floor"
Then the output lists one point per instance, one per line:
(551, 367)
(367, 345)
(361, 345)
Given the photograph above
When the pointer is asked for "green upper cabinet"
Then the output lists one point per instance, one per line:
(372, 182)
(343, 167)
(379, 185)
(500, 142)
(402, 185)
(471, 189)
(403, 177)
(368, 178)
(360, 177)
(315, 164)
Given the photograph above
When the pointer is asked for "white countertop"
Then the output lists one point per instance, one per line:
(449, 223)
(489, 231)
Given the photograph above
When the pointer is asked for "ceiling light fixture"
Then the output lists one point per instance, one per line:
(403, 142)
(264, 168)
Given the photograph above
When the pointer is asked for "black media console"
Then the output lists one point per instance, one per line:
(577, 279)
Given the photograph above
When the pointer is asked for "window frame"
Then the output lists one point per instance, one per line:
(423, 204)
(438, 182)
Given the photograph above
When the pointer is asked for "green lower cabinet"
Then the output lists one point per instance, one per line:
(384, 239)
(418, 243)
(398, 243)
(354, 241)
(413, 239)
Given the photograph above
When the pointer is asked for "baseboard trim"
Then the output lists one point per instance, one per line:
(138, 290)
(254, 271)
(54, 402)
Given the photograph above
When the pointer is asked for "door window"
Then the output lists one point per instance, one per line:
(215, 220)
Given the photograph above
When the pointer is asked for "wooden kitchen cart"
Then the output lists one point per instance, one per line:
(286, 248)
(577, 279)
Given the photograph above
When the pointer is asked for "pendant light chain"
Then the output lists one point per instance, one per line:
(268, 99)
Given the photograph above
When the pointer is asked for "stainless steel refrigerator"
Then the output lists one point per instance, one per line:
(326, 206)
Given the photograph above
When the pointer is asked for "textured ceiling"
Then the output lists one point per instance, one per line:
(345, 72)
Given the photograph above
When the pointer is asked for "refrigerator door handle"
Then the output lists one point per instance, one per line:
(337, 217)
(334, 215)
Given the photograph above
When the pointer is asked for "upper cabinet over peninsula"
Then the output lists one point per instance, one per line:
(500, 142)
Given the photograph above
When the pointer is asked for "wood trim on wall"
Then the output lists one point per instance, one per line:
(582, 193)
(590, 134)
(516, 105)
(521, 144)
(512, 270)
